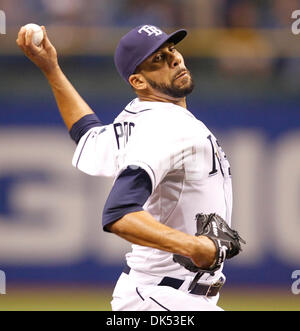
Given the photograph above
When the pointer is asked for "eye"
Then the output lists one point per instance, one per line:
(172, 49)
(158, 57)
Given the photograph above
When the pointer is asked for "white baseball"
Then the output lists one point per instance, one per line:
(38, 34)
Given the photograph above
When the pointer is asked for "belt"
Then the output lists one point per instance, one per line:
(198, 289)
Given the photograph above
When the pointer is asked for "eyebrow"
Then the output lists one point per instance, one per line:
(167, 44)
(170, 44)
(150, 58)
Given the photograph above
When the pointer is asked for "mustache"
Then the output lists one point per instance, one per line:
(179, 72)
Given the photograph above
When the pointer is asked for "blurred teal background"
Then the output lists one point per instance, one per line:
(246, 63)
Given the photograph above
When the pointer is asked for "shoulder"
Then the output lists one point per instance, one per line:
(159, 116)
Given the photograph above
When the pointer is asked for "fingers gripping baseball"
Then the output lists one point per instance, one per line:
(44, 55)
(25, 42)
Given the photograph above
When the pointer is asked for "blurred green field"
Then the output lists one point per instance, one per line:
(60, 298)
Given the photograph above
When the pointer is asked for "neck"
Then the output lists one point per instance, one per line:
(176, 101)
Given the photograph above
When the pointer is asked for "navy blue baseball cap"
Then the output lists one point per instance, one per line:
(140, 43)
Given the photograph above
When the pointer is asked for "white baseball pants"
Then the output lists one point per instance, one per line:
(131, 295)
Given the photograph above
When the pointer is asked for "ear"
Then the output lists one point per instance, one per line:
(137, 81)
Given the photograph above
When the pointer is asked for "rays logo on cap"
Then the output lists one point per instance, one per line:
(150, 30)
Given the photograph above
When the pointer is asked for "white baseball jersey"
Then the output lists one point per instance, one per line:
(189, 171)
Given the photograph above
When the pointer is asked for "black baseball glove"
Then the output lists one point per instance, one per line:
(227, 242)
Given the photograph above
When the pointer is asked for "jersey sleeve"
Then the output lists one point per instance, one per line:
(129, 193)
(83, 125)
(95, 154)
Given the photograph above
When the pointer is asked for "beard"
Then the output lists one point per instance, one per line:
(172, 90)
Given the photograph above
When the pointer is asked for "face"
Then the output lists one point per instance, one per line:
(166, 72)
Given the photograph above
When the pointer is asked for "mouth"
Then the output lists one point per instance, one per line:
(181, 74)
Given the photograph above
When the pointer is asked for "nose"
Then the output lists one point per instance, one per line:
(175, 60)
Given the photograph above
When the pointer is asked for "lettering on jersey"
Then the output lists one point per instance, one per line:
(214, 169)
(219, 154)
(123, 132)
(223, 161)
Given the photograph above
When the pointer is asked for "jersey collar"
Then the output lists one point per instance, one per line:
(137, 106)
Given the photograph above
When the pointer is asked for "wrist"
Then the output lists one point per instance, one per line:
(209, 247)
(52, 72)
(205, 251)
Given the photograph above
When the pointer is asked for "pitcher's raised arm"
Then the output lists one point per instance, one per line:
(71, 105)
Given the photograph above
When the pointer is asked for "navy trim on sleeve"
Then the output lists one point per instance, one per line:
(83, 125)
(130, 192)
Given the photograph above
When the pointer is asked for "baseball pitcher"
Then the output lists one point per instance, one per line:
(172, 193)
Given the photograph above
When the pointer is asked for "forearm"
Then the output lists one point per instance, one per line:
(71, 105)
(142, 229)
